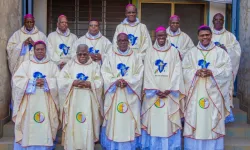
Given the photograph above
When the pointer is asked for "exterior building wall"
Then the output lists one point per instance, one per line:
(40, 14)
(244, 70)
(215, 8)
(11, 21)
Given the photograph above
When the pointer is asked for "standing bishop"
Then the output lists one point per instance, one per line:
(180, 40)
(164, 96)
(99, 45)
(227, 41)
(36, 106)
(207, 74)
(139, 38)
(80, 88)
(21, 44)
(60, 42)
(122, 73)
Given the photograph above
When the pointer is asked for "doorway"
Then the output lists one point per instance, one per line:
(192, 14)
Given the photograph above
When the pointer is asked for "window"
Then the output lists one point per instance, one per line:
(192, 15)
(108, 12)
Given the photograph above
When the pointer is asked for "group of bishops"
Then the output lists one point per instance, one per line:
(130, 94)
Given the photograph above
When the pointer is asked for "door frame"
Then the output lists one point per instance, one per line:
(206, 4)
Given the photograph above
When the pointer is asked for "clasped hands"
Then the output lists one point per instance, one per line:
(61, 65)
(82, 84)
(39, 82)
(204, 73)
(121, 83)
(28, 41)
(164, 94)
(96, 57)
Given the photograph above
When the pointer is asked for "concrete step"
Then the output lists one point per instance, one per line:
(6, 143)
(232, 143)
(238, 130)
(236, 102)
(239, 115)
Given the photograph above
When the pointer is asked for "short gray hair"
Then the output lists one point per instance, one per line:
(83, 46)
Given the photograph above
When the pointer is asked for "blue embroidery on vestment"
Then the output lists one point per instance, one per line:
(81, 76)
(161, 65)
(123, 69)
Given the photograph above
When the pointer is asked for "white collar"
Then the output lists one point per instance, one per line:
(204, 47)
(125, 21)
(161, 48)
(98, 35)
(37, 60)
(29, 32)
(173, 33)
(218, 31)
(63, 34)
(123, 53)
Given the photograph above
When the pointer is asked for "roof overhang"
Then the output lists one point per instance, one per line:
(221, 1)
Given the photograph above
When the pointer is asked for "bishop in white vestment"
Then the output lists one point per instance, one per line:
(139, 38)
(227, 41)
(80, 89)
(60, 42)
(122, 73)
(163, 102)
(35, 97)
(99, 45)
(207, 74)
(178, 39)
(21, 44)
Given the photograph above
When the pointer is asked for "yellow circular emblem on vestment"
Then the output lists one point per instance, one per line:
(204, 103)
(39, 117)
(159, 103)
(80, 117)
(122, 107)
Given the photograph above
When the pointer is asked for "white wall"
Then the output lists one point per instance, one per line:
(40, 14)
(214, 9)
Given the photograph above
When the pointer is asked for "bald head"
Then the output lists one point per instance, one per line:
(174, 23)
(62, 23)
(218, 14)
(174, 17)
(130, 13)
(131, 6)
(122, 35)
(60, 17)
(218, 21)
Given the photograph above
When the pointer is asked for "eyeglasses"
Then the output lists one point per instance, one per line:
(64, 22)
(82, 54)
(122, 41)
(218, 20)
(29, 21)
(131, 12)
(173, 23)
(94, 25)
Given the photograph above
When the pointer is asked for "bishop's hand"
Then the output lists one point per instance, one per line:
(96, 57)
(40, 82)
